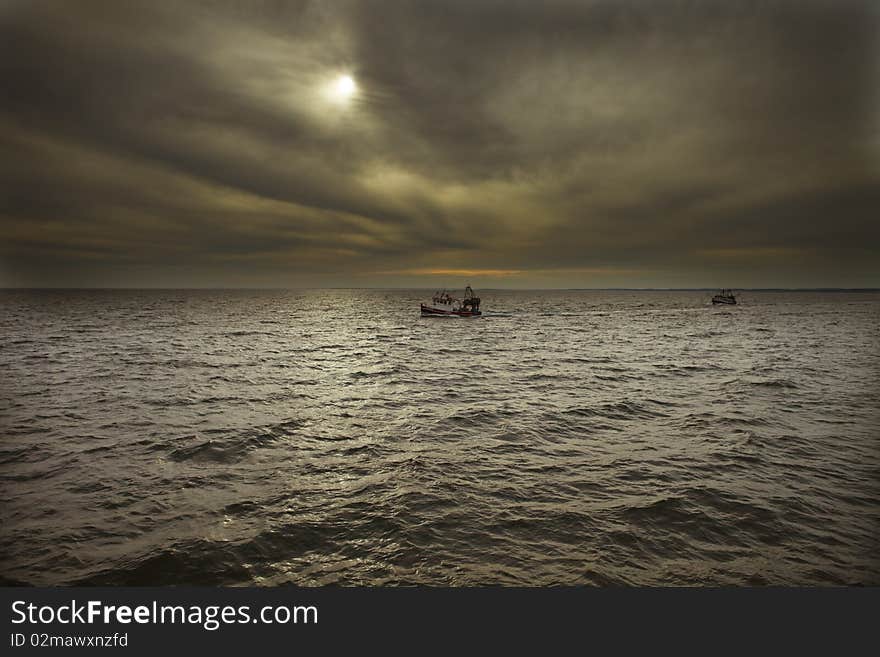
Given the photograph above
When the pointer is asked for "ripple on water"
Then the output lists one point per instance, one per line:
(333, 437)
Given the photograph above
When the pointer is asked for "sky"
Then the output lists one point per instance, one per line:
(440, 143)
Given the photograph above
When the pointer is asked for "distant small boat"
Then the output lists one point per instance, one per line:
(444, 304)
(724, 297)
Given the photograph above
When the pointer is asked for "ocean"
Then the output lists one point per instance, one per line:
(317, 437)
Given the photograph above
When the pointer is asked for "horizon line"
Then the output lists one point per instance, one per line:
(525, 289)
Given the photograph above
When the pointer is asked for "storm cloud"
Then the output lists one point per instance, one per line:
(515, 144)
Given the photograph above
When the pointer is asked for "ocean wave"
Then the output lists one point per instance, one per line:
(626, 438)
(232, 446)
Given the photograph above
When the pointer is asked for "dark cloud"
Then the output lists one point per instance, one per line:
(559, 143)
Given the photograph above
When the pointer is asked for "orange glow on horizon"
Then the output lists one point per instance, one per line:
(427, 271)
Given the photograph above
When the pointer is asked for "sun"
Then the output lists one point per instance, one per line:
(345, 85)
(343, 88)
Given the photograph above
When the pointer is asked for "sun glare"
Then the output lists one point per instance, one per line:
(344, 88)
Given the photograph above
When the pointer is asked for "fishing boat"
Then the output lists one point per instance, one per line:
(724, 297)
(444, 304)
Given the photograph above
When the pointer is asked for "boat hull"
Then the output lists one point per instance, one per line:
(727, 301)
(428, 311)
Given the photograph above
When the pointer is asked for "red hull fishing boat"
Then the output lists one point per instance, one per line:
(444, 304)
